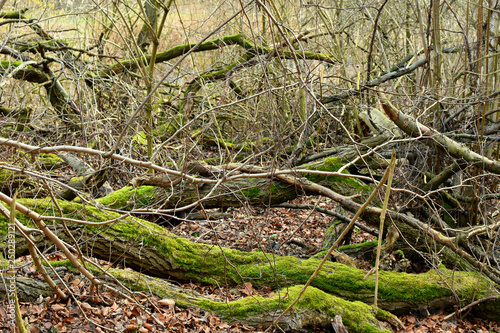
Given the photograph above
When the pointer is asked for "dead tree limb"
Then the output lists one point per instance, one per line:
(415, 129)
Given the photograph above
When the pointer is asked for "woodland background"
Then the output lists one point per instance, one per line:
(278, 165)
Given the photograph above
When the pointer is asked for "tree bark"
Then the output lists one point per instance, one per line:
(315, 309)
(150, 249)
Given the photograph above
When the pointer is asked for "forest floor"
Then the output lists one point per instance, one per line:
(248, 230)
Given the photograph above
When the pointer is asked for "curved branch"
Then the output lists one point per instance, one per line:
(373, 83)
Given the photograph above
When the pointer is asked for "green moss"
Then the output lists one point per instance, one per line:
(61, 263)
(128, 226)
(47, 161)
(350, 281)
(333, 164)
(359, 245)
(9, 64)
(76, 179)
(51, 161)
(129, 197)
(5, 175)
(356, 316)
(251, 192)
(320, 254)
(274, 188)
(384, 315)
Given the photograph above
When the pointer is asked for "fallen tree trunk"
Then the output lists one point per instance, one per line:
(28, 289)
(231, 189)
(316, 308)
(170, 194)
(150, 249)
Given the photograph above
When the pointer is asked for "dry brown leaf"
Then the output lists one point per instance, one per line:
(86, 306)
(57, 307)
(105, 311)
(167, 302)
(162, 318)
(247, 289)
(130, 328)
(223, 325)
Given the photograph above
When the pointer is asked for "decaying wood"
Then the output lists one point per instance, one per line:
(338, 326)
(151, 250)
(263, 310)
(29, 289)
(411, 127)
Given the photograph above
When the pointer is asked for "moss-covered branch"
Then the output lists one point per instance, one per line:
(57, 95)
(175, 52)
(214, 44)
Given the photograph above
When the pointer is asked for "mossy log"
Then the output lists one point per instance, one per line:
(171, 195)
(148, 248)
(169, 192)
(316, 307)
